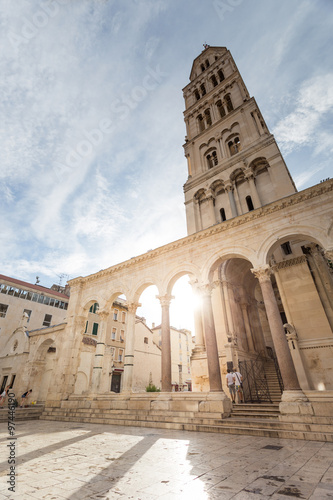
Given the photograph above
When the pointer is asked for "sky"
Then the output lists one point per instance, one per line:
(91, 160)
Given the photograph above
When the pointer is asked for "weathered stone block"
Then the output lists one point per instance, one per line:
(160, 405)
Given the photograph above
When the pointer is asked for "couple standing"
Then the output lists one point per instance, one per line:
(234, 382)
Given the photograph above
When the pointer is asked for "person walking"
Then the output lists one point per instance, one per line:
(3, 395)
(25, 396)
(239, 386)
(231, 384)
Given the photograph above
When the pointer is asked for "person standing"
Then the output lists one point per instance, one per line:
(239, 386)
(231, 384)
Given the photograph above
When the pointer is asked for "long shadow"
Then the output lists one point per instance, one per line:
(117, 469)
(43, 451)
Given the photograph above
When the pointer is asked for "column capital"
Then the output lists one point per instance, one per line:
(263, 273)
(248, 173)
(329, 254)
(291, 333)
(228, 185)
(205, 289)
(165, 300)
(103, 315)
(132, 306)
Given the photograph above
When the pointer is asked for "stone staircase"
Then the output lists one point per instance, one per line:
(248, 419)
(32, 412)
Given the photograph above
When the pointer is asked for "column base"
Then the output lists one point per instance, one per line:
(293, 396)
(295, 403)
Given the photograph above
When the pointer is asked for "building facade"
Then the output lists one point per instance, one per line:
(258, 253)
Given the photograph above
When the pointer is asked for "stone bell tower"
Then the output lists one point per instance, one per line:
(234, 163)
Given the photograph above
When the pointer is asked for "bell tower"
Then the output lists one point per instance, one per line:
(234, 163)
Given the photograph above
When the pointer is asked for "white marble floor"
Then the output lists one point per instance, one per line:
(76, 461)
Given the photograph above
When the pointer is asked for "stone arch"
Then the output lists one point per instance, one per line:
(217, 186)
(182, 270)
(215, 260)
(141, 286)
(42, 348)
(23, 345)
(259, 164)
(273, 241)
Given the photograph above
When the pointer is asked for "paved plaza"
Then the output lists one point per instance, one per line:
(75, 461)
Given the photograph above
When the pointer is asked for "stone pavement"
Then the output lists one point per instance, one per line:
(76, 461)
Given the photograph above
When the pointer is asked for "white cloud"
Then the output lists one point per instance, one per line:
(303, 126)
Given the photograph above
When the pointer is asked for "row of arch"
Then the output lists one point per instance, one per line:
(223, 106)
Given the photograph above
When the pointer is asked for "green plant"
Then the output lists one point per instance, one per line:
(152, 388)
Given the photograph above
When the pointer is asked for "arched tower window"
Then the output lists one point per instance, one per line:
(228, 103)
(207, 63)
(249, 203)
(201, 123)
(197, 95)
(222, 213)
(234, 146)
(214, 81)
(203, 89)
(203, 67)
(212, 159)
(221, 75)
(208, 117)
(220, 108)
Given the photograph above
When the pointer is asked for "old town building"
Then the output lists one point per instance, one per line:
(258, 254)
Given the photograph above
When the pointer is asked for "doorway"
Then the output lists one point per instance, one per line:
(115, 382)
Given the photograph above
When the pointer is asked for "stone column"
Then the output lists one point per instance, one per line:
(210, 201)
(247, 326)
(249, 176)
(230, 327)
(229, 188)
(288, 372)
(199, 336)
(197, 215)
(215, 381)
(99, 353)
(129, 346)
(166, 343)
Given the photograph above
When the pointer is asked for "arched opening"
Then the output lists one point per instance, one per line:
(183, 308)
(220, 108)
(228, 103)
(147, 346)
(303, 284)
(249, 203)
(220, 75)
(208, 117)
(222, 214)
(197, 95)
(203, 89)
(214, 81)
(201, 123)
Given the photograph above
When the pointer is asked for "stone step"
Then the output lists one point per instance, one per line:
(112, 418)
(225, 427)
(30, 413)
(276, 433)
(277, 424)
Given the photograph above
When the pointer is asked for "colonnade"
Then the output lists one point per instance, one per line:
(206, 338)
